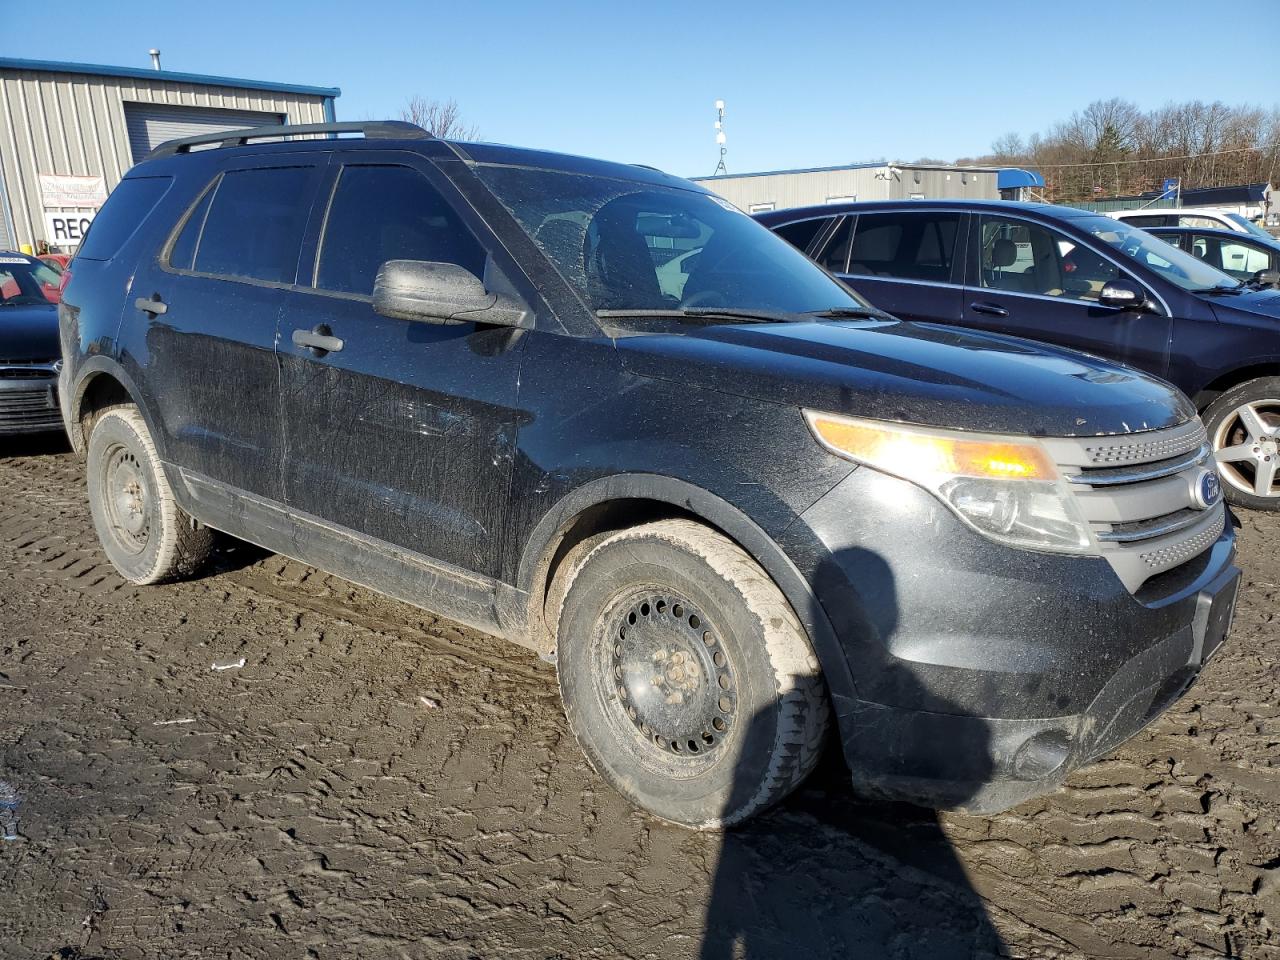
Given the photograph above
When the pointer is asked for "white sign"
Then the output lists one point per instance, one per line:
(72, 191)
(66, 229)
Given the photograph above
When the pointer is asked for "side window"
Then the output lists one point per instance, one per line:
(121, 215)
(908, 246)
(381, 213)
(183, 252)
(836, 255)
(801, 233)
(1143, 222)
(1173, 239)
(1242, 260)
(1202, 223)
(254, 224)
(1021, 257)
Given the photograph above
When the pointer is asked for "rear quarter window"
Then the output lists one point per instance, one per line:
(130, 203)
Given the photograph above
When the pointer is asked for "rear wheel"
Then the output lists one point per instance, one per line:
(686, 676)
(1244, 426)
(144, 533)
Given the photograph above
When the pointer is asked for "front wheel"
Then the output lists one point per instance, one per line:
(686, 676)
(1244, 427)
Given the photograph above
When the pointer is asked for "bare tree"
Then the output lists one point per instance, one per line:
(441, 118)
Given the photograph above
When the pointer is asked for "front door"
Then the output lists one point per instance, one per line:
(210, 302)
(403, 431)
(1030, 280)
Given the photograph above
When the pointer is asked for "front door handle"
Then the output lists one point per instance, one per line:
(152, 305)
(319, 340)
(990, 309)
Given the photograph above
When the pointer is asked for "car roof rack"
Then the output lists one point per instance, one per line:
(372, 130)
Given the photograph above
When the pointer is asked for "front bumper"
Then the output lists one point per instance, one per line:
(29, 400)
(984, 675)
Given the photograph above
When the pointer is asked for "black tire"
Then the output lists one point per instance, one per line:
(712, 707)
(145, 534)
(1245, 423)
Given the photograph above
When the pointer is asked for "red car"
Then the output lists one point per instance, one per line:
(58, 261)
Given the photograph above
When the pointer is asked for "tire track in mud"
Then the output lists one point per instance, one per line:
(315, 805)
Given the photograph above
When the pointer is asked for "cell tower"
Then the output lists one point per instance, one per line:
(720, 139)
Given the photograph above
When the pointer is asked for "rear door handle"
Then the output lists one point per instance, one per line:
(990, 309)
(152, 305)
(319, 340)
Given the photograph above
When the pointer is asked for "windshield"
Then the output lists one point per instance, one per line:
(1188, 272)
(626, 246)
(25, 282)
(1249, 225)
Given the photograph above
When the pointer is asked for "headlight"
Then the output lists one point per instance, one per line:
(1007, 489)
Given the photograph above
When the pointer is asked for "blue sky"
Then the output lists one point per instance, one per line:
(806, 84)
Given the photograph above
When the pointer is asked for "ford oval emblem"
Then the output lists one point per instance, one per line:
(1206, 489)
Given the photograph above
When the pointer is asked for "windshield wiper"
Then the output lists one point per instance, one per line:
(703, 313)
(851, 313)
(1221, 290)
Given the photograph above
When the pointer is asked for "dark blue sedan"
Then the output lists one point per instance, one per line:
(30, 349)
(1079, 279)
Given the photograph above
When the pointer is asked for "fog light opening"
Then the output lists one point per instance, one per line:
(1041, 755)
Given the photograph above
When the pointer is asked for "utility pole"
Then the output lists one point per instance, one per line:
(720, 139)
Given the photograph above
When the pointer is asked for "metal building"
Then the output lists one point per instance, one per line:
(778, 189)
(69, 131)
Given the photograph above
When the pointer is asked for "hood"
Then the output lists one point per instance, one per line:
(1264, 303)
(29, 333)
(914, 373)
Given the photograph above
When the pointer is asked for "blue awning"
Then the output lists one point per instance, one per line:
(1010, 178)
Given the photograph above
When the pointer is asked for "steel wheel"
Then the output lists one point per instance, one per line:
(674, 682)
(1246, 445)
(126, 499)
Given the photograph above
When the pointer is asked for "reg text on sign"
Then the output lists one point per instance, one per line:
(66, 229)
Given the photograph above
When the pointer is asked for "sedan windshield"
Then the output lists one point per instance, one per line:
(631, 246)
(1249, 225)
(25, 282)
(1176, 266)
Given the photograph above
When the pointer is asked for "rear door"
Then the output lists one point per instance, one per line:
(1031, 280)
(405, 432)
(908, 262)
(210, 304)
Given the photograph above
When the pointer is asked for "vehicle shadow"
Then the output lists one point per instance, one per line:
(49, 444)
(829, 873)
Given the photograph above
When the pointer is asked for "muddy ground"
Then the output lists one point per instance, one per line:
(374, 782)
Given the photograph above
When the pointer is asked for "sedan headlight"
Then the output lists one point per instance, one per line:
(1007, 489)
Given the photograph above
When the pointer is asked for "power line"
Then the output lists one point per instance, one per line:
(1112, 163)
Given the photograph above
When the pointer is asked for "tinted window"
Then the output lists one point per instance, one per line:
(1151, 221)
(26, 282)
(389, 213)
(121, 215)
(255, 223)
(182, 253)
(1022, 257)
(800, 234)
(836, 256)
(910, 246)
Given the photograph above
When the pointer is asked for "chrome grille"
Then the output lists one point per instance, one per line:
(1143, 448)
(1138, 494)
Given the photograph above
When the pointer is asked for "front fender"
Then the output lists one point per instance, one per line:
(715, 512)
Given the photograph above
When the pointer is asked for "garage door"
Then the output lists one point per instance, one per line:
(152, 124)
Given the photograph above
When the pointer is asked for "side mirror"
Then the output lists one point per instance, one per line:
(443, 293)
(1267, 278)
(1123, 295)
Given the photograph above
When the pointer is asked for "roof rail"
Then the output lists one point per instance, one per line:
(372, 130)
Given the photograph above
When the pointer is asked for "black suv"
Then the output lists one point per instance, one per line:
(1080, 280)
(596, 410)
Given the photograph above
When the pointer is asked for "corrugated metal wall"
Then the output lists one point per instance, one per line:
(73, 124)
(804, 187)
